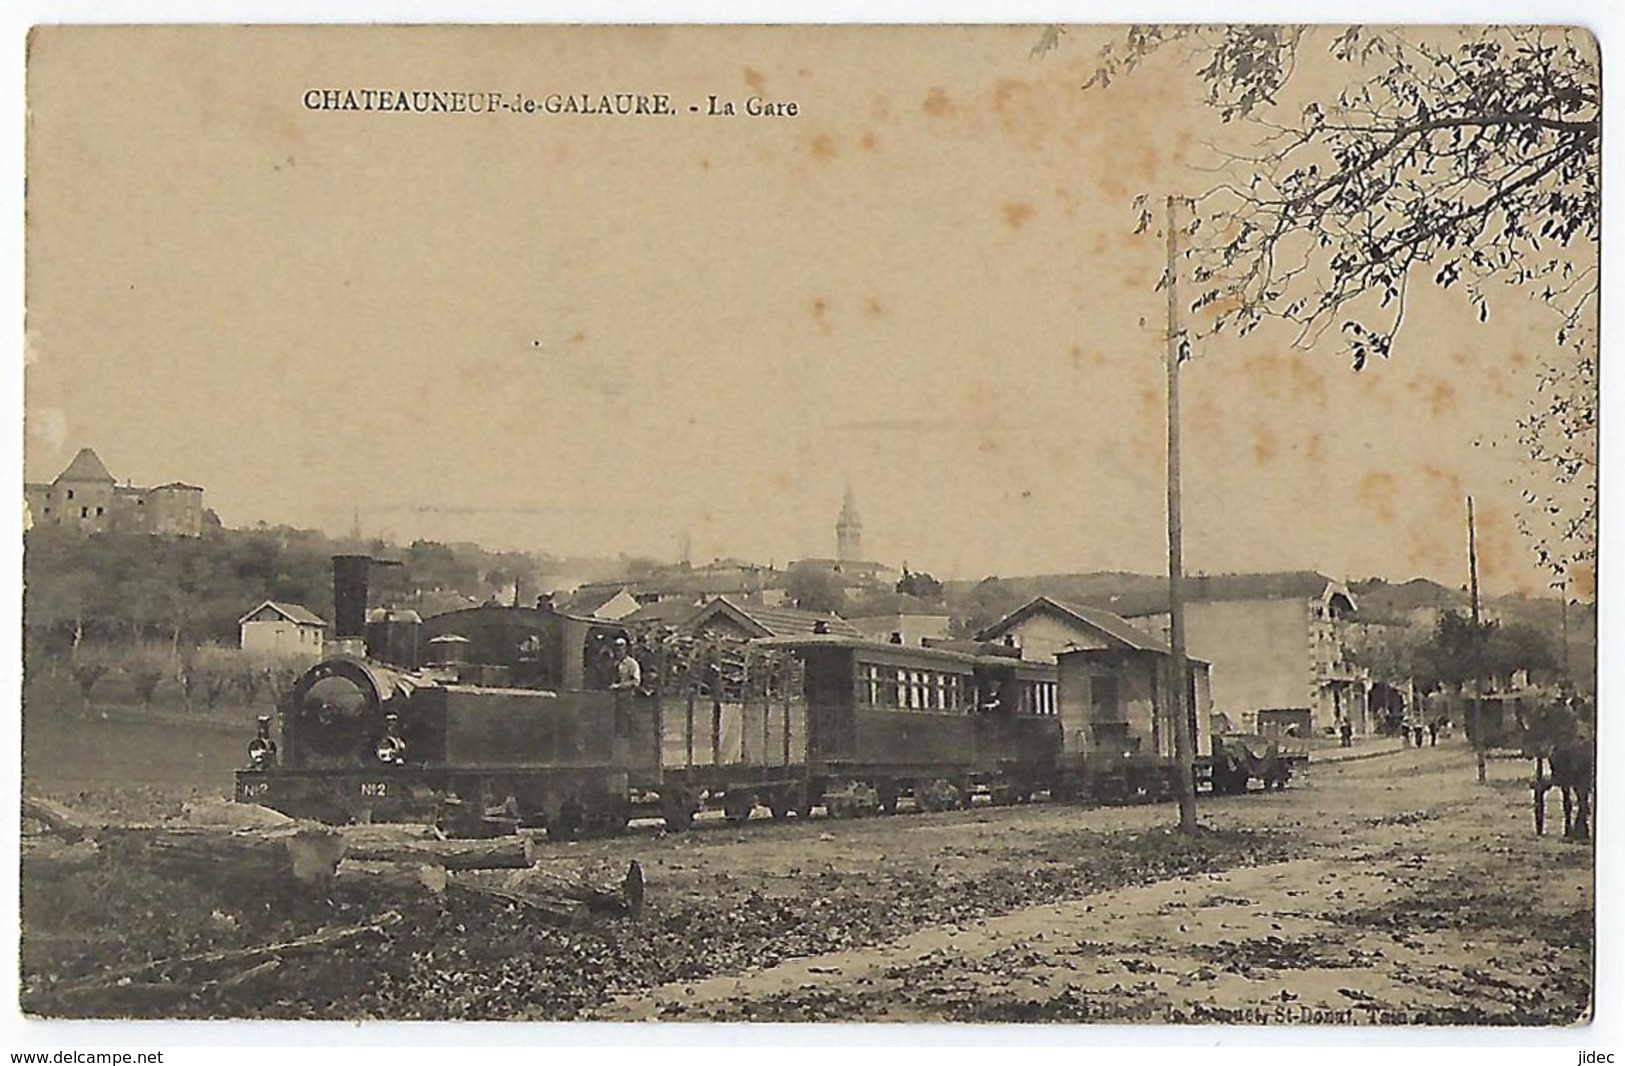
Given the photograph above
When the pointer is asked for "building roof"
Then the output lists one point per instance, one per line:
(86, 466)
(1109, 625)
(917, 652)
(588, 598)
(896, 603)
(181, 485)
(774, 621)
(293, 612)
(662, 612)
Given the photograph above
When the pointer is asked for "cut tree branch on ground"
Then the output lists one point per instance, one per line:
(142, 973)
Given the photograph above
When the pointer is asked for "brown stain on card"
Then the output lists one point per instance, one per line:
(755, 80)
(1264, 445)
(822, 147)
(867, 142)
(1017, 214)
(1377, 491)
(937, 104)
(1437, 393)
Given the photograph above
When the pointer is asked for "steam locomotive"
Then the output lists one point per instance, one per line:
(517, 715)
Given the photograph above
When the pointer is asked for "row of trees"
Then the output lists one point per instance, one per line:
(81, 589)
(197, 678)
(1457, 652)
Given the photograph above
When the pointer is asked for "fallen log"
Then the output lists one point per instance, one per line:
(399, 879)
(509, 853)
(300, 856)
(58, 819)
(560, 893)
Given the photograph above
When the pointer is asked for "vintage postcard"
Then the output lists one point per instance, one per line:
(952, 524)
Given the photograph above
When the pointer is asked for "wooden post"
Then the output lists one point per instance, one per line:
(1478, 645)
(1183, 741)
(688, 734)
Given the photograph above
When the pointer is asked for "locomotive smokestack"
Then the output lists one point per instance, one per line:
(350, 602)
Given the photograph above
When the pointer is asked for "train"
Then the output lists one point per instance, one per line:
(506, 715)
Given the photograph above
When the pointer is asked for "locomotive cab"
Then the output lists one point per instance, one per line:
(510, 706)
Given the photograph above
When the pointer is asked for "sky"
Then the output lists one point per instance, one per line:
(591, 335)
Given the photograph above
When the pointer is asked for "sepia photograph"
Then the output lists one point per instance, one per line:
(1043, 525)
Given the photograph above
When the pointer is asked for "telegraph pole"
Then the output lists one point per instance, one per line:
(1478, 643)
(1567, 674)
(1179, 681)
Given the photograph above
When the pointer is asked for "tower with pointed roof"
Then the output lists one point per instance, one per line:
(849, 531)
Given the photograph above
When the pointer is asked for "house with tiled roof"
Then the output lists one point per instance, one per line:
(283, 630)
(609, 602)
(86, 497)
(1043, 627)
(723, 617)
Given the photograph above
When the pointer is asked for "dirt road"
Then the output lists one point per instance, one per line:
(1419, 897)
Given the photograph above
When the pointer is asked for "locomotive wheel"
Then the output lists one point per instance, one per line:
(737, 809)
(565, 821)
(678, 809)
(887, 802)
(462, 814)
(790, 798)
(607, 817)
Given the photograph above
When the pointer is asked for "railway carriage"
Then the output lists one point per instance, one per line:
(516, 711)
(888, 721)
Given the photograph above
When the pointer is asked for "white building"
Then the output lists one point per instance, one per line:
(284, 630)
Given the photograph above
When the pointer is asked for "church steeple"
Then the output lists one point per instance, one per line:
(849, 531)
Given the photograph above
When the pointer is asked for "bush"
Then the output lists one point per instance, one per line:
(146, 666)
(208, 672)
(88, 666)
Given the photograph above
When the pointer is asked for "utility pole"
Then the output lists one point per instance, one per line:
(1478, 643)
(1567, 674)
(1179, 681)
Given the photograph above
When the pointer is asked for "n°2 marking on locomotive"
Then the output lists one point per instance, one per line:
(375, 789)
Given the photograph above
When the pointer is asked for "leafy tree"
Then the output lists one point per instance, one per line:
(919, 584)
(813, 588)
(1391, 653)
(1458, 652)
(985, 603)
(1462, 157)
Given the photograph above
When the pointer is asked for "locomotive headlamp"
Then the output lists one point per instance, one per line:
(391, 748)
(262, 749)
